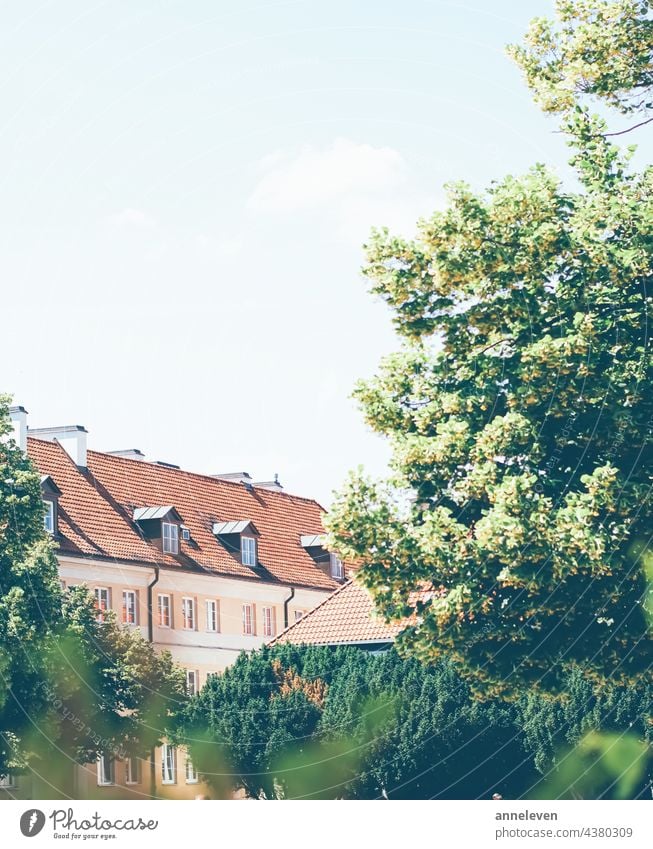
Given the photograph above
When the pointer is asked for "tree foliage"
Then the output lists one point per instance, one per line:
(599, 48)
(71, 687)
(361, 726)
(518, 409)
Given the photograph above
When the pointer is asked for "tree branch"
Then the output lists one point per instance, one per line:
(630, 129)
(493, 345)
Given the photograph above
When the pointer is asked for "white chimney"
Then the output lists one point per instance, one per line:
(234, 477)
(273, 484)
(128, 454)
(18, 416)
(72, 438)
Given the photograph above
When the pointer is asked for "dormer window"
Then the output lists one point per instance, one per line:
(170, 534)
(327, 561)
(248, 551)
(48, 519)
(239, 536)
(50, 493)
(337, 569)
(161, 525)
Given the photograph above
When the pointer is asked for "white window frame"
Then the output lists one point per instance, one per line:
(125, 607)
(192, 682)
(212, 615)
(102, 610)
(168, 609)
(48, 518)
(249, 619)
(299, 614)
(168, 764)
(132, 771)
(170, 539)
(185, 608)
(337, 567)
(269, 621)
(190, 772)
(248, 550)
(102, 779)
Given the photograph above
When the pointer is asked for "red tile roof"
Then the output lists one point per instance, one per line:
(97, 506)
(346, 616)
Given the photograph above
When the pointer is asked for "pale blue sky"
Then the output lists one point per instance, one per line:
(185, 188)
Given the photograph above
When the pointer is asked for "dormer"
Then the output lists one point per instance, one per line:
(239, 537)
(51, 494)
(328, 562)
(161, 525)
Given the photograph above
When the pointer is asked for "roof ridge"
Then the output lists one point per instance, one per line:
(320, 604)
(202, 475)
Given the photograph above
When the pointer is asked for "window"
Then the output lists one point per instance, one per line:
(102, 603)
(191, 772)
(129, 607)
(210, 675)
(7, 780)
(212, 615)
(170, 538)
(106, 770)
(164, 611)
(191, 682)
(299, 614)
(48, 519)
(269, 629)
(337, 569)
(188, 613)
(248, 619)
(132, 771)
(168, 764)
(248, 551)
(185, 534)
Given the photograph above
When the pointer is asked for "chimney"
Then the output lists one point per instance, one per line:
(234, 477)
(18, 416)
(128, 454)
(72, 439)
(273, 484)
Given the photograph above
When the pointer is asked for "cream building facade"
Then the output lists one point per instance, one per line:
(205, 566)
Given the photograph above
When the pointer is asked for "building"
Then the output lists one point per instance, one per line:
(205, 566)
(345, 618)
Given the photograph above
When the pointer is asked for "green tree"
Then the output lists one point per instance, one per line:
(30, 598)
(316, 722)
(71, 687)
(518, 408)
(597, 48)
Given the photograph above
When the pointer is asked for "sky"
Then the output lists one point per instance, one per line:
(186, 186)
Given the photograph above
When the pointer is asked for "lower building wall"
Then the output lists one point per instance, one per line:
(149, 783)
(196, 649)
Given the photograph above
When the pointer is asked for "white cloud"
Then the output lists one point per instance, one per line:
(356, 185)
(318, 176)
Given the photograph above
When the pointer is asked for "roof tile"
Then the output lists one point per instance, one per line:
(97, 506)
(346, 616)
